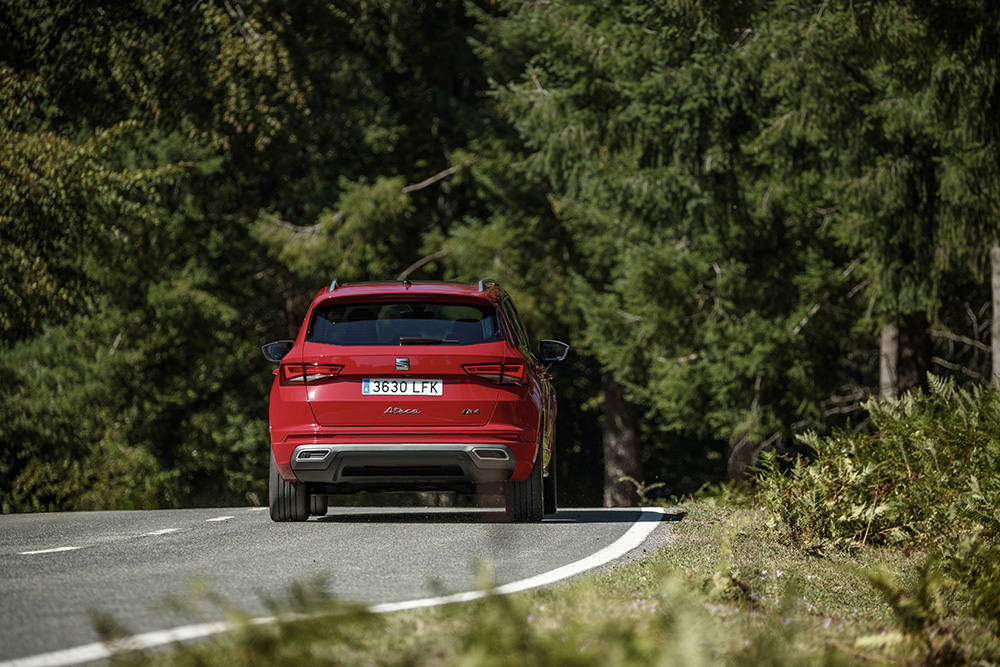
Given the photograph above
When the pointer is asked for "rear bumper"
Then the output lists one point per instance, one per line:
(342, 467)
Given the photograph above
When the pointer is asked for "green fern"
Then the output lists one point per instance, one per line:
(925, 477)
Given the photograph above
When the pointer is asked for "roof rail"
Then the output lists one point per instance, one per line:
(486, 283)
(333, 285)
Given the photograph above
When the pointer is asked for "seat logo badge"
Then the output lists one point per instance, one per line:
(401, 411)
(402, 364)
(470, 411)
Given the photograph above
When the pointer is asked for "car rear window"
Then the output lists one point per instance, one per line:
(404, 323)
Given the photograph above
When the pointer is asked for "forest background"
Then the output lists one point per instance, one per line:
(746, 217)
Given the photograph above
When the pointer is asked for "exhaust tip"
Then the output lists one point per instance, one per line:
(490, 453)
(312, 454)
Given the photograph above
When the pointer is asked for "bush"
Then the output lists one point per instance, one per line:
(925, 475)
(924, 478)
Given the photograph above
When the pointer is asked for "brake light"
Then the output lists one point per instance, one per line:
(502, 373)
(308, 373)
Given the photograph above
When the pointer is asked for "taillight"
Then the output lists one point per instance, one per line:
(502, 373)
(491, 372)
(308, 373)
(513, 373)
(292, 373)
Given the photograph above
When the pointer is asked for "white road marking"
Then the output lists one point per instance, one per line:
(632, 538)
(48, 551)
(648, 520)
(162, 531)
(220, 518)
(99, 651)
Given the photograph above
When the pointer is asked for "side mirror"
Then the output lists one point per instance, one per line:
(277, 350)
(552, 350)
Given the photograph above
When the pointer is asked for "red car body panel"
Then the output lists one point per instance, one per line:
(471, 409)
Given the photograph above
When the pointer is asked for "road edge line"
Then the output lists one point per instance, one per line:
(631, 539)
(647, 521)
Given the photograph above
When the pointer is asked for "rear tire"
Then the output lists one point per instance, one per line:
(288, 501)
(524, 501)
(549, 484)
(317, 505)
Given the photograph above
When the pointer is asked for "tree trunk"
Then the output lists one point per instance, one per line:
(904, 355)
(742, 457)
(888, 360)
(995, 331)
(621, 447)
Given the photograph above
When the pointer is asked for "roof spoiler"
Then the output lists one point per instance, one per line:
(484, 284)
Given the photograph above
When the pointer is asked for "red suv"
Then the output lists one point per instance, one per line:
(412, 386)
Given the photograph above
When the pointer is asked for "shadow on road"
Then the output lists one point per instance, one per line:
(424, 515)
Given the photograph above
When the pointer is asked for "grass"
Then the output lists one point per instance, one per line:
(726, 590)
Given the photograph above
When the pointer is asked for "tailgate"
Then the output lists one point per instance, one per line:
(438, 391)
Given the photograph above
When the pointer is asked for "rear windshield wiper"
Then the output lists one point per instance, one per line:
(426, 341)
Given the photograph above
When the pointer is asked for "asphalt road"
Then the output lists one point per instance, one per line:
(148, 570)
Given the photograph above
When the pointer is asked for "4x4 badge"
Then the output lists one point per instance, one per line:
(402, 364)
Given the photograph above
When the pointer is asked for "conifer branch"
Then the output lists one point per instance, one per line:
(421, 262)
(965, 370)
(439, 176)
(241, 22)
(957, 338)
(338, 217)
(819, 304)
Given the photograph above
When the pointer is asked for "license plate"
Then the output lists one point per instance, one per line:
(402, 387)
